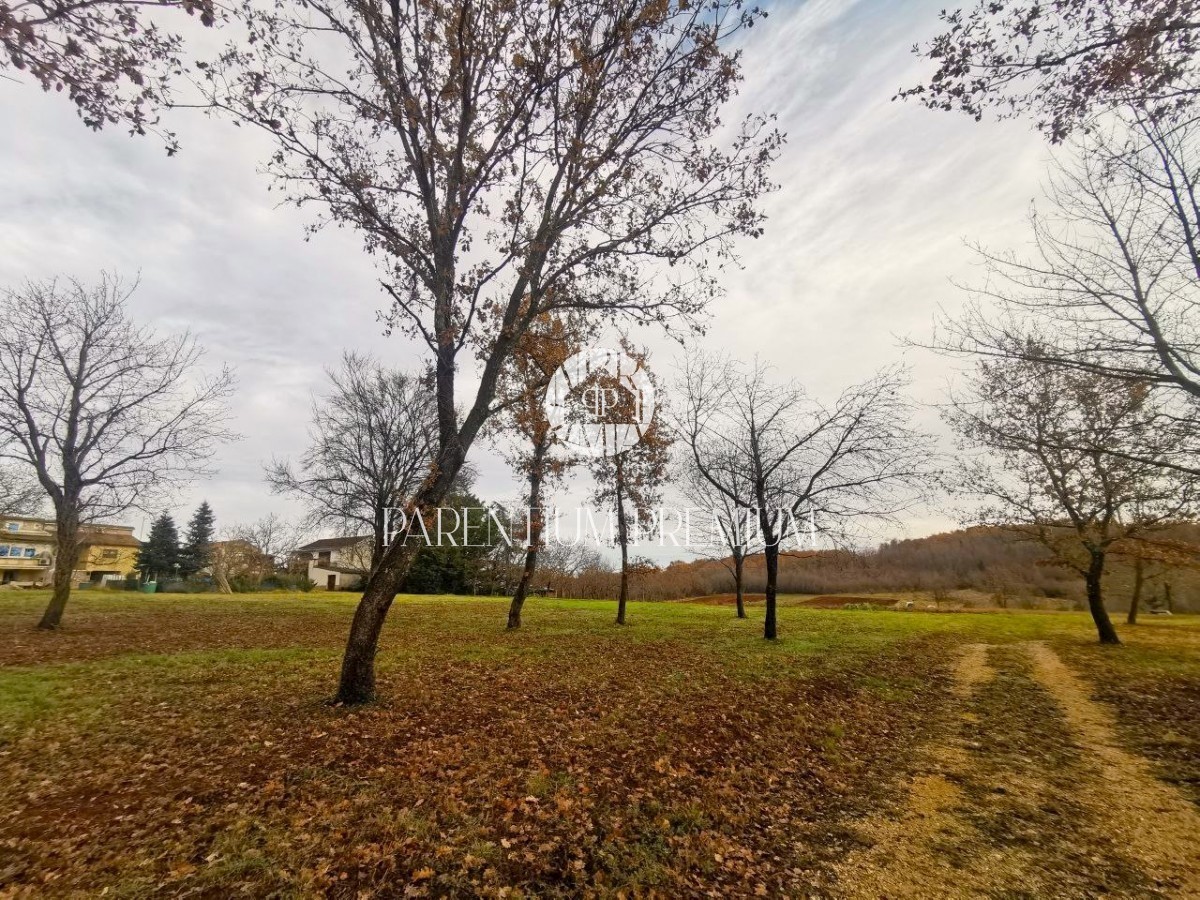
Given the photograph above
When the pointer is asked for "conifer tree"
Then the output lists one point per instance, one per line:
(196, 552)
(160, 553)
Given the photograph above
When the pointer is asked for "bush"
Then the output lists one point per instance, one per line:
(286, 582)
(189, 586)
(243, 584)
(281, 581)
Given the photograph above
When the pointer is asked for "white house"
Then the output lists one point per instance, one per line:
(338, 563)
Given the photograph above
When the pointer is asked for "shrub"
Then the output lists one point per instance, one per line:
(280, 581)
(188, 586)
(242, 584)
(285, 582)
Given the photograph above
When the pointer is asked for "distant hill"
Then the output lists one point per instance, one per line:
(986, 562)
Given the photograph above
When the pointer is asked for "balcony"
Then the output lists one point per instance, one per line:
(21, 562)
(28, 535)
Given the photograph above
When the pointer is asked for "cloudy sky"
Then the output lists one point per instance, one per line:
(864, 236)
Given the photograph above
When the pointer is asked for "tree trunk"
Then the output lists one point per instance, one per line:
(378, 537)
(623, 539)
(535, 541)
(357, 682)
(771, 554)
(1095, 597)
(66, 558)
(1136, 599)
(771, 557)
(739, 562)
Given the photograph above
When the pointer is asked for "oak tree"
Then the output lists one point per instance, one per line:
(1112, 284)
(502, 161)
(115, 59)
(1064, 62)
(1044, 465)
(632, 482)
(548, 344)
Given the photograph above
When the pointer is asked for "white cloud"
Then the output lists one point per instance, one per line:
(863, 236)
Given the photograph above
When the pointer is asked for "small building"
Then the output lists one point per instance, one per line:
(28, 548)
(338, 563)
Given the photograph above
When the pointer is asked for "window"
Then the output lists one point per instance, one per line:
(30, 552)
(3, 550)
(13, 526)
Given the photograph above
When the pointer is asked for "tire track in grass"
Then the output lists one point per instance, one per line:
(1004, 813)
(1156, 825)
(1032, 836)
(898, 862)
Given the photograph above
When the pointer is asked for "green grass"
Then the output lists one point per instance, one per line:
(572, 755)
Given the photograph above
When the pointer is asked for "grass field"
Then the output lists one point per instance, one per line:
(183, 746)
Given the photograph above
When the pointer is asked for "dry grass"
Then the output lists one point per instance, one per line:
(171, 746)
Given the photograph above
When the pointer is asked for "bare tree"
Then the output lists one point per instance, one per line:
(562, 562)
(112, 58)
(230, 557)
(273, 536)
(1153, 554)
(1064, 62)
(372, 442)
(107, 414)
(237, 554)
(502, 161)
(20, 492)
(730, 523)
(1111, 287)
(772, 450)
(1047, 470)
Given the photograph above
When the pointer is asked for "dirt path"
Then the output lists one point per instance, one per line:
(1159, 828)
(1026, 794)
(898, 861)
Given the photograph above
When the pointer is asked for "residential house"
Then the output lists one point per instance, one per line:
(28, 545)
(339, 563)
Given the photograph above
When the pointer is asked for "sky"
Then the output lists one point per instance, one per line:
(863, 240)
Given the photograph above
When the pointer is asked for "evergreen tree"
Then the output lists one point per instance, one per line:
(160, 553)
(196, 552)
(450, 567)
